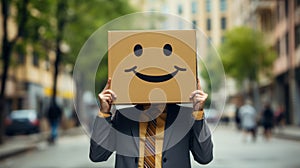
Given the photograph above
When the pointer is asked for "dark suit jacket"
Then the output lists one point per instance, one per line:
(182, 134)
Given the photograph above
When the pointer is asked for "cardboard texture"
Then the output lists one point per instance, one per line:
(152, 66)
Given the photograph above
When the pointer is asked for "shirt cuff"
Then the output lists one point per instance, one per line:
(103, 115)
(198, 115)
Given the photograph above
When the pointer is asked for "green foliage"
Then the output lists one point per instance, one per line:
(39, 28)
(84, 18)
(80, 19)
(245, 54)
(212, 73)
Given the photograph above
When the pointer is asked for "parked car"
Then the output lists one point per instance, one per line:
(22, 122)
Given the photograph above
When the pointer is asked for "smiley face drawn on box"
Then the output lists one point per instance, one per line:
(152, 66)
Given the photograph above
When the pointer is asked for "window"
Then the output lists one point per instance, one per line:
(47, 64)
(208, 24)
(286, 3)
(20, 103)
(266, 22)
(297, 36)
(208, 5)
(297, 3)
(21, 54)
(223, 5)
(179, 10)
(223, 23)
(35, 59)
(21, 58)
(194, 24)
(194, 7)
(278, 12)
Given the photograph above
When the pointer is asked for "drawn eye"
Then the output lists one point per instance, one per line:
(167, 49)
(138, 50)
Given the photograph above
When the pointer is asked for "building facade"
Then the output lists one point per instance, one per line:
(213, 17)
(29, 84)
(279, 20)
(30, 79)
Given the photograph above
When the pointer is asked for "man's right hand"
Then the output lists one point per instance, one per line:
(106, 97)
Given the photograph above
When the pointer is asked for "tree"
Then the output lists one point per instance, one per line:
(48, 24)
(61, 13)
(8, 46)
(84, 19)
(74, 22)
(212, 73)
(246, 55)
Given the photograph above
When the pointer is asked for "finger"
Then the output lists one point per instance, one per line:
(198, 84)
(202, 94)
(108, 84)
(196, 92)
(106, 96)
(195, 101)
(107, 99)
(201, 100)
(108, 91)
(110, 96)
(200, 97)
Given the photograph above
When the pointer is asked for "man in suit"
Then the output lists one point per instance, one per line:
(177, 131)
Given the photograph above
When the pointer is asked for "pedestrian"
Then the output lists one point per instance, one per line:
(248, 117)
(280, 117)
(54, 115)
(267, 121)
(237, 118)
(75, 118)
(146, 150)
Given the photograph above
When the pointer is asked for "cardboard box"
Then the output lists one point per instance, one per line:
(152, 66)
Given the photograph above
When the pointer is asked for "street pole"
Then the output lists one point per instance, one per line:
(291, 60)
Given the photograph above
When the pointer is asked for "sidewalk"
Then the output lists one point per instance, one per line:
(23, 143)
(287, 132)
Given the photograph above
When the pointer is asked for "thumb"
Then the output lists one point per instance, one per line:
(198, 84)
(108, 84)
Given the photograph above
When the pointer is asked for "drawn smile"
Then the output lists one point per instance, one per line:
(155, 79)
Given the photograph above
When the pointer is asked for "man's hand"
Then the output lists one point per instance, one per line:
(106, 98)
(198, 97)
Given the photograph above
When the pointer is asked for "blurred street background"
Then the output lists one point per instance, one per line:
(258, 42)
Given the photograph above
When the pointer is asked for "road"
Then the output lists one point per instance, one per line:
(230, 151)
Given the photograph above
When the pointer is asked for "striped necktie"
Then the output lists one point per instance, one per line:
(149, 159)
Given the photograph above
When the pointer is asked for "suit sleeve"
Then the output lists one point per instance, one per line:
(201, 144)
(102, 143)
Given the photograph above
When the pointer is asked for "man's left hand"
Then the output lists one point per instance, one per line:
(198, 97)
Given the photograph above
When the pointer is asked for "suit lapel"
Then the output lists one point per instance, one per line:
(135, 130)
(135, 133)
(172, 112)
